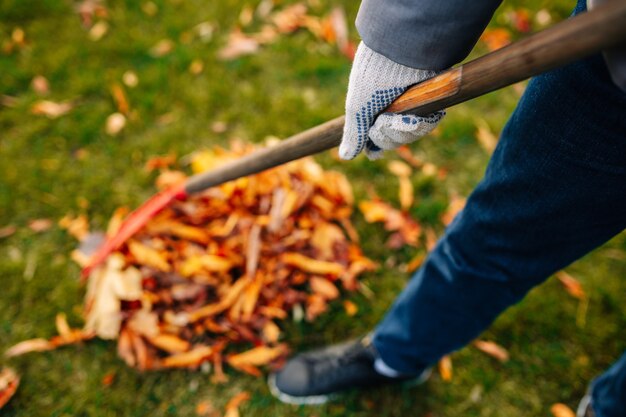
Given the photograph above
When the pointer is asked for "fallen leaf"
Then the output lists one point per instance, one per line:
(115, 123)
(561, 410)
(119, 96)
(98, 31)
(162, 48)
(192, 358)
(445, 368)
(324, 287)
(485, 136)
(40, 225)
(239, 44)
(521, 20)
(454, 207)
(130, 79)
(350, 308)
(40, 85)
(9, 382)
(51, 109)
(196, 67)
(312, 265)
(492, 349)
(170, 343)
(232, 407)
(205, 408)
(261, 355)
(7, 231)
(27, 346)
(108, 379)
(290, 19)
(571, 285)
(75, 226)
(496, 38)
(146, 255)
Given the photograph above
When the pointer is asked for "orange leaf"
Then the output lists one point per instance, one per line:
(192, 358)
(492, 349)
(75, 226)
(9, 381)
(232, 407)
(350, 307)
(120, 98)
(311, 265)
(257, 356)
(571, 284)
(496, 38)
(445, 368)
(561, 410)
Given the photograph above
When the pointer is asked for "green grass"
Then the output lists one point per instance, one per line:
(49, 168)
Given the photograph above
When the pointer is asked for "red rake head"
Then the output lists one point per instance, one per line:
(133, 223)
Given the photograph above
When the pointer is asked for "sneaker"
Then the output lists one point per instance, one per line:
(314, 377)
(584, 407)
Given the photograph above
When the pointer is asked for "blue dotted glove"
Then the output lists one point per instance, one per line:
(375, 82)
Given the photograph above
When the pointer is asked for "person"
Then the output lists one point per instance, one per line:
(554, 189)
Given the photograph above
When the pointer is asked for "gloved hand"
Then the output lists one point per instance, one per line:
(376, 81)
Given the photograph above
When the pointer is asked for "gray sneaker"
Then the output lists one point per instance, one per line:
(314, 377)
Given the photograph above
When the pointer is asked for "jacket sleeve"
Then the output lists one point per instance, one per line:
(424, 34)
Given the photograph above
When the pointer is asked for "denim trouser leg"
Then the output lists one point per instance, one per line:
(608, 392)
(554, 189)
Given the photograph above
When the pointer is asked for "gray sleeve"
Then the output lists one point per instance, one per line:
(424, 34)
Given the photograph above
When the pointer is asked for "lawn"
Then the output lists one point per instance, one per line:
(186, 99)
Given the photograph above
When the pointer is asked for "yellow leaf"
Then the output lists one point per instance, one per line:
(148, 256)
(311, 265)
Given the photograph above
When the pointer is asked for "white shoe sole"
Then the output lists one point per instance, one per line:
(322, 399)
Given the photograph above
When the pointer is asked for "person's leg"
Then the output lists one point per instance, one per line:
(608, 392)
(554, 190)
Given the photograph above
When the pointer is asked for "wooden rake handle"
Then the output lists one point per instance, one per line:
(587, 33)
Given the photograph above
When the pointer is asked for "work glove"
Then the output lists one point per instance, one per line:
(376, 81)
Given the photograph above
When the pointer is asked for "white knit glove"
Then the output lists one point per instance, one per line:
(376, 81)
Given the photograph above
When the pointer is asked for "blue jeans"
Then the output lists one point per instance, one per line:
(554, 189)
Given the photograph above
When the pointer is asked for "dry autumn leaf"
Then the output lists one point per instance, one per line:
(115, 123)
(232, 408)
(571, 285)
(445, 368)
(561, 410)
(40, 85)
(222, 268)
(496, 38)
(239, 44)
(40, 225)
(162, 48)
(7, 231)
(51, 109)
(492, 349)
(9, 382)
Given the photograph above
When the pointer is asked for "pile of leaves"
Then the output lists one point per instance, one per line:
(210, 278)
